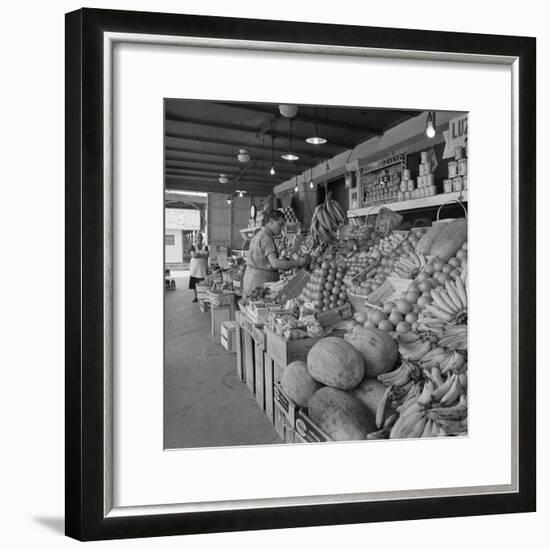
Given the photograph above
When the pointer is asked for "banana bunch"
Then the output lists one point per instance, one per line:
(450, 304)
(454, 337)
(327, 217)
(409, 265)
(420, 417)
(406, 372)
(384, 430)
(445, 361)
(412, 346)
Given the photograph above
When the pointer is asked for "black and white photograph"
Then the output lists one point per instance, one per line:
(316, 273)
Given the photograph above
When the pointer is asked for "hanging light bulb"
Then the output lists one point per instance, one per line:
(290, 155)
(241, 194)
(316, 139)
(430, 124)
(229, 199)
(296, 187)
(272, 169)
(311, 184)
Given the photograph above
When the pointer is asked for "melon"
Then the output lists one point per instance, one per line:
(340, 415)
(424, 245)
(370, 392)
(334, 362)
(449, 241)
(298, 384)
(377, 347)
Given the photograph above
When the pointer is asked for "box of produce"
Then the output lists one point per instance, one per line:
(223, 298)
(307, 430)
(284, 350)
(333, 316)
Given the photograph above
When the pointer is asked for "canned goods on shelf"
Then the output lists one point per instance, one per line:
(430, 179)
(452, 166)
(457, 183)
(427, 168)
(406, 174)
(462, 167)
(424, 157)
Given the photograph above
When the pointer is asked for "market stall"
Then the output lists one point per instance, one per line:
(369, 341)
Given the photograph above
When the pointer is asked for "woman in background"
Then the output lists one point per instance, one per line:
(198, 267)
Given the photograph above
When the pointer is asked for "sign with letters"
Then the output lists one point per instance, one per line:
(456, 135)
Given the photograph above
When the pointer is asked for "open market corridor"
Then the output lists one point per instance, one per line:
(205, 403)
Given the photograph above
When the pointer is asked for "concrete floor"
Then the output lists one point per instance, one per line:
(205, 404)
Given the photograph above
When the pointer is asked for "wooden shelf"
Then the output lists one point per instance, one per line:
(424, 202)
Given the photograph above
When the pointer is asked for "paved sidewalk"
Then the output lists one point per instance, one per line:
(205, 404)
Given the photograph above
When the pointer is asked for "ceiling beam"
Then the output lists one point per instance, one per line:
(246, 178)
(257, 132)
(240, 144)
(281, 165)
(311, 119)
(194, 185)
(225, 165)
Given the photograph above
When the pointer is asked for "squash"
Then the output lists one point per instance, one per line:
(334, 362)
(370, 393)
(340, 415)
(424, 245)
(298, 384)
(449, 241)
(377, 347)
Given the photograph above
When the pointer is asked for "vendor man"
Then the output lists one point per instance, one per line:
(263, 263)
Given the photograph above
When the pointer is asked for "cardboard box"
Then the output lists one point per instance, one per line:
(228, 336)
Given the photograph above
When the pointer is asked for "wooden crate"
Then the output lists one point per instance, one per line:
(202, 291)
(258, 334)
(228, 336)
(284, 351)
(204, 306)
(269, 367)
(219, 315)
(248, 360)
(259, 376)
(307, 431)
(285, 405)
(239, 351)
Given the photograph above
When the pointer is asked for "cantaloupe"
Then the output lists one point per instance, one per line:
(370, 391)
(298, 384)
(449, 241)
(340, 415)
(424, 245)
(334, 362)
(377, 347)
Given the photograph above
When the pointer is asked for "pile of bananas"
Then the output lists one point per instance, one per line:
(449, 306)
(409, 264)
(432, 409)
(327, 217)
(454, 337)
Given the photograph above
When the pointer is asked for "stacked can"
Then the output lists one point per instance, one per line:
(425, 182)
(406, 186)
(458, 172)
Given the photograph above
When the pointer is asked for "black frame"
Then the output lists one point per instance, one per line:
(84, 274)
